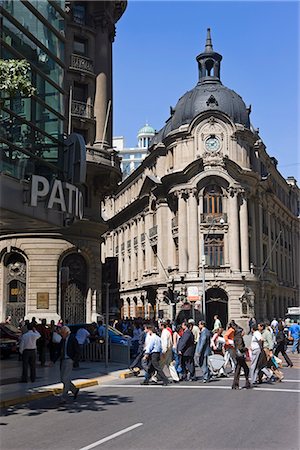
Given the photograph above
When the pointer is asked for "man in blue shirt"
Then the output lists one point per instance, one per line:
(294, 332)
(151, 359)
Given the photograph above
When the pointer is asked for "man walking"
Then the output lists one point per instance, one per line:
(152, 356)
(28, 351)
(203, 350)
(69, 353)
(186, 351)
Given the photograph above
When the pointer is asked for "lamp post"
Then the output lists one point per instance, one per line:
(213, 222)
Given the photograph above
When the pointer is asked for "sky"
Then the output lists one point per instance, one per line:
(154, 65)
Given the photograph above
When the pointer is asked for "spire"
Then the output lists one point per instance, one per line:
(209, 63)
(208, 44)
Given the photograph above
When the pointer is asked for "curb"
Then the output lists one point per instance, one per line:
(44, 393)
(130, 374)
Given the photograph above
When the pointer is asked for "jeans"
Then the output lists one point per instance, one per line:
(205, 369)
(177, 361)
(295, 345)
(29, 358)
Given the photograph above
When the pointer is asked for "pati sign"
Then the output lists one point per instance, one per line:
(65, 196)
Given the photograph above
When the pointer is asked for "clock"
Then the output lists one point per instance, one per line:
(212, 144)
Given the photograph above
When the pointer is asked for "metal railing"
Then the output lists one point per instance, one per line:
(81, 109)
(81, 63)
(213, 217)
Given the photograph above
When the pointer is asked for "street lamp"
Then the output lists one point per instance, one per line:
(213, 222)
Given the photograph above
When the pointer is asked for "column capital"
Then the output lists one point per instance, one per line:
(192, 192)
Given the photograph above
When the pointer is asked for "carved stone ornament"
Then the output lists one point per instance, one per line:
(216, 284)
(16, 271)
(247, 297)
(212, 101)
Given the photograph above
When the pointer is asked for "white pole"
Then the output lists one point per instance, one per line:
(106, 122)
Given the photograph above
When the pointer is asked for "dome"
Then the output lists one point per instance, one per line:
(146, 130)
(208, 95)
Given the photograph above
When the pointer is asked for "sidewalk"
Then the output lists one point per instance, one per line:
(12, 391)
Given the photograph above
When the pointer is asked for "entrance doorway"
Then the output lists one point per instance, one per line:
(73, 289)
(216, 301)
(15, 265)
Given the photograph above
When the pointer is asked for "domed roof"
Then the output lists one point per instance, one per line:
(146, 130)
(208, 95)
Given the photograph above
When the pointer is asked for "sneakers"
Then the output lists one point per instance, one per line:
(76, 393)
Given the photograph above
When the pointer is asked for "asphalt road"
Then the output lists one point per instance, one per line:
(125, 415)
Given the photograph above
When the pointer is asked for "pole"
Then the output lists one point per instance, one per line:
(106, 323)
(203, 280)
(70, 110)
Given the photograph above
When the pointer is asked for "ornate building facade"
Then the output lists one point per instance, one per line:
(207, 211)
(57, 160)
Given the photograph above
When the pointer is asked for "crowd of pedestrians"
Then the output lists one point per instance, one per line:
(167, 352)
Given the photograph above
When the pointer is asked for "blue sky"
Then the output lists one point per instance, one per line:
(154, 65)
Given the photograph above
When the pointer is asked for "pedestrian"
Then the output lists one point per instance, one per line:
(43, 342)
(82, 336)
(203, 350)
(175, 338)
(186, 352)
(251, 322)
(69, 353)
(240, 356)
(294, 333)
(217, 323)
(256, 348)
(55, 339)
(28, 351)
(281, 344)
(195, 330)
(274, 324)
(167, 355)
(229, 346)
(136, 364)
(101, 330)
(135, 338)
(151, 357)
(217, 345)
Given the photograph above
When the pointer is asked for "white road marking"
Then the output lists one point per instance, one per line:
(112, 436)
(207, 386)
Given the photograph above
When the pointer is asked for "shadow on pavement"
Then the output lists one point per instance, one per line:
(86, 401)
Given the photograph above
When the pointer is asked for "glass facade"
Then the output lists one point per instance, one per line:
(31, 130)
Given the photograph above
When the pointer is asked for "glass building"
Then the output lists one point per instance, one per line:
(31, 133)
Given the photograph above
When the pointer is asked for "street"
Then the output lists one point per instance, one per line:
(189, 415)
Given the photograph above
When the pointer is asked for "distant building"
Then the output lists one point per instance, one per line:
(207, 216)
(132, 157)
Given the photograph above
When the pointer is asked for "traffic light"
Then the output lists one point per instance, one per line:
(110, 272)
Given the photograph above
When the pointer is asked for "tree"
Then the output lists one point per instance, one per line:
(14, 78)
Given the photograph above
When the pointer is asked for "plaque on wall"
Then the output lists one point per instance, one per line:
(42, 300)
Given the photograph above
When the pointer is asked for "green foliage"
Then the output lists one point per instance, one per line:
(15, 78)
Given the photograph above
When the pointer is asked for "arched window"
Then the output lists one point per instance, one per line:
(15, 286)
(213, 199)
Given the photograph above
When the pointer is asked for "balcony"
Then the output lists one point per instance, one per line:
(82, 110)
(215, 218)
(82, 64)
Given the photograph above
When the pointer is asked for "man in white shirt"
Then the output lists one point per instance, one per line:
(82, 337)
(28, 351)
(153, 350)
(166, 354)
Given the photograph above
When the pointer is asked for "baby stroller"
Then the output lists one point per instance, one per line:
(216, 365)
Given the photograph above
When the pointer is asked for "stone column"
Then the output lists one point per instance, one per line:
(140, 252)
(163, 227)
(182, 233)
(234, 234)
(259, 233)
(226, 248)
(253, 233)
(103, 70)
(193, 249)
(244, 230)
(148, 250)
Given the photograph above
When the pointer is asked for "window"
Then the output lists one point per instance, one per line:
(213, 199)
(80, 92)
(80, 46)
(79, 13)
(214, 250)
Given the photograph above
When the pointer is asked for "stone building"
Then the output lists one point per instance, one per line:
(207, 211)
(132, 157)
(57, 160)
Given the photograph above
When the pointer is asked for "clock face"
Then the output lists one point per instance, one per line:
(212, 144)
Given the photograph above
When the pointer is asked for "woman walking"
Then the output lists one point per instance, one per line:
(281, 345)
